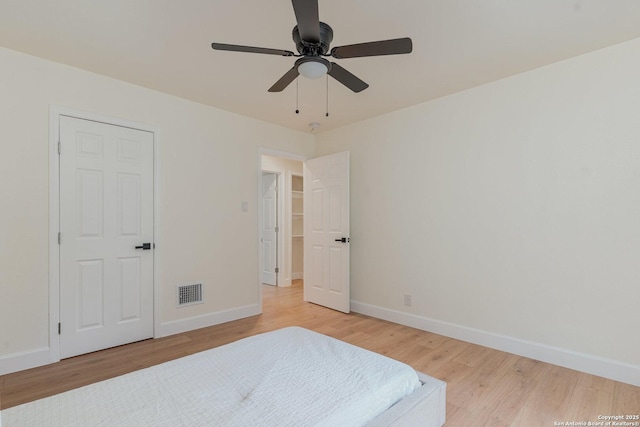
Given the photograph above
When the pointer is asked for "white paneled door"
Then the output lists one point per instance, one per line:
(106, 235)
(326, 231)
(269, 237)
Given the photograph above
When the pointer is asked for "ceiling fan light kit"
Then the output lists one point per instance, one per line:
(312, 68)
(312, 39)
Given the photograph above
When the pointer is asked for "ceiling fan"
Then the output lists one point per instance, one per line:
(312, 39)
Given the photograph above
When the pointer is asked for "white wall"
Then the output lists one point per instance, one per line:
(510, 211)
(209, 165)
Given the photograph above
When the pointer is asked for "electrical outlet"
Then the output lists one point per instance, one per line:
(407, 300)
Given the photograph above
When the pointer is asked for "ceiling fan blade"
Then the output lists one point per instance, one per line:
(250, 49)
(383, 47)
(308, 19)
(346, 78)
(285, 80)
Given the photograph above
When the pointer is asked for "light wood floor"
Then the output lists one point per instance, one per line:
(485, 387)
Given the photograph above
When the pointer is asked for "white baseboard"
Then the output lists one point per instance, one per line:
(297, 276)
(590, 364)
(42, 356)
(24, 360)
(209, 319)
(284, 283)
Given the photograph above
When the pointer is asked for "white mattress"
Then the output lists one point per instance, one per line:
(289, 377)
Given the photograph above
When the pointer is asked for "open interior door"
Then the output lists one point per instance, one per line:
(326, 231)
(269, 221)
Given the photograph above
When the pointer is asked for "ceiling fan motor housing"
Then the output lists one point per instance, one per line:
(308, 48)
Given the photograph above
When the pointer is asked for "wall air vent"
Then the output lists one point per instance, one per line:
(189, 294)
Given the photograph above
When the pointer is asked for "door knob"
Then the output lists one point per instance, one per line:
(144, 247)
(343, 240)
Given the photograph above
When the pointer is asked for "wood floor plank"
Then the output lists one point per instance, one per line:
(439, 357)
(591, 397)
(486, 376)
(485, 387)
(626, 399)
(502, 404)
(549, 401)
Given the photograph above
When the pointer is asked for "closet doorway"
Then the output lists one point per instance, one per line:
(281, 220)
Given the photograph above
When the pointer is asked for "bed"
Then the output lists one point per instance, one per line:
(288, 377)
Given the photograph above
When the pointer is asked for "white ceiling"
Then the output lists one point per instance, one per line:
(457, 44)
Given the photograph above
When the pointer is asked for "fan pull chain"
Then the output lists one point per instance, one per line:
(327, 113)
(297, 95)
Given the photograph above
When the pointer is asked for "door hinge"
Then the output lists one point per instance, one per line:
(59, 237)
(59, 147)
(277, 270)
(59, 328)
(277, 229)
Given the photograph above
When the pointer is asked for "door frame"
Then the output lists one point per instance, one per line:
(55, 113)
(285, 155)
